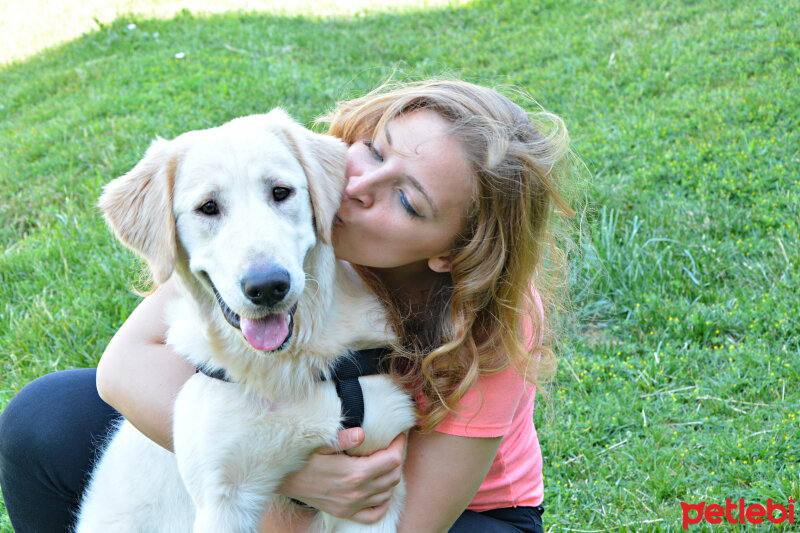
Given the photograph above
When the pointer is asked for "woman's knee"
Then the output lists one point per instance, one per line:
(48, 436)
(23, 426)
(53, 420)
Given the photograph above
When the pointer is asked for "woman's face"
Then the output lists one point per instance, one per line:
(402, 208)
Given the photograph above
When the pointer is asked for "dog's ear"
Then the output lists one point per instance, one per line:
(325, 187)
(323, 158)
(138, 207)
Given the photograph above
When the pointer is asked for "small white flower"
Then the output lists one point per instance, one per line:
(131, 26)
(155, 34)
(180, 55)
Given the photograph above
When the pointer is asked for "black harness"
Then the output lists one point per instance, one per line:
(344, 374)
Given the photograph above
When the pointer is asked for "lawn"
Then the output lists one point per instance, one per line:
(678, 375)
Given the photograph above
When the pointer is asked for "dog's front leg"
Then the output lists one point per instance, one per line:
(234, 449)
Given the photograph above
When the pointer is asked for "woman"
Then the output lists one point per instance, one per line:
(447, 212)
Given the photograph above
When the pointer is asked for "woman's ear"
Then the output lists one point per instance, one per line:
(440, 263)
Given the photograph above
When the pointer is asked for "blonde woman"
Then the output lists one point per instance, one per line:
(448, 212)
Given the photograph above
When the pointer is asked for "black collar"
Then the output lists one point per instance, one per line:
(344, 373)
(216, 373)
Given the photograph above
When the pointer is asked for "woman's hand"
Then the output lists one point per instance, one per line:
(356, 488)
(442, 473)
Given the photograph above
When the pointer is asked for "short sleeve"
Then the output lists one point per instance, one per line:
(487, 409)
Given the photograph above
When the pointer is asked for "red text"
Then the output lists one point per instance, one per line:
(737, 512)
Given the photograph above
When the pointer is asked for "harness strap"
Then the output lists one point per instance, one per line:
(344, 374)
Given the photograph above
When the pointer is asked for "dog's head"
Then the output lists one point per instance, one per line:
(235, 209)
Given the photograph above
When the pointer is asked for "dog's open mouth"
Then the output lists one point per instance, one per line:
(269, 333)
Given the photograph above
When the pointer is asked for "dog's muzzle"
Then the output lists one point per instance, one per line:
(269, 333)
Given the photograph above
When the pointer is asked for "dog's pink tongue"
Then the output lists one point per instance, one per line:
(266, 334)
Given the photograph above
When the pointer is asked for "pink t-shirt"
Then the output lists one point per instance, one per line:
(501, 405)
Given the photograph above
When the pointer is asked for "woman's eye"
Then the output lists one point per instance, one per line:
(209, 208)
(281, 193)
(407, 206)
(373, 151)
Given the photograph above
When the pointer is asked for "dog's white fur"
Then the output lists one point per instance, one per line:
(235, 442)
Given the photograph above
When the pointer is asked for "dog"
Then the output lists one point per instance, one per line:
(241, 216)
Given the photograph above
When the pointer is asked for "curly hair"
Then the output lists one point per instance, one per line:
(472, 321)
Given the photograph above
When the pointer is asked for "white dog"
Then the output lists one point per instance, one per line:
(241, 216)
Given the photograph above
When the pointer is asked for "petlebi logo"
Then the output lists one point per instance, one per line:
(737, 512)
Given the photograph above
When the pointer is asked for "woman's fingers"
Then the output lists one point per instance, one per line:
(370, 515)
(387, 481)
(388, 459)
(398, 447)
(380, 474)
(358, 488)
(346, 439)
(377, 500)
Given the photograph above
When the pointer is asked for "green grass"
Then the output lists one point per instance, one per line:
(678, 376)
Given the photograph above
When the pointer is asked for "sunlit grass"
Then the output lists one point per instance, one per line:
(29, 26)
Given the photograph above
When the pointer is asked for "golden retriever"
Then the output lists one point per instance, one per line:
(240, 215)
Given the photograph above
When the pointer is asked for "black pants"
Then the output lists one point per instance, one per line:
(50, 436)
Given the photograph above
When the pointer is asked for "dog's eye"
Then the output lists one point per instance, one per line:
(280, 193)
(209, 208)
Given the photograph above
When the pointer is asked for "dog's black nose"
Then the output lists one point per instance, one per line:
(267, 285)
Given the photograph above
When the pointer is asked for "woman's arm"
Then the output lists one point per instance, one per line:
(139, 375)
(443, 473)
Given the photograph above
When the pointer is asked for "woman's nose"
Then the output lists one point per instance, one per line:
(361, 188)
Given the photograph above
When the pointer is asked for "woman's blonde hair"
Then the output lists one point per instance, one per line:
(472, 322)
